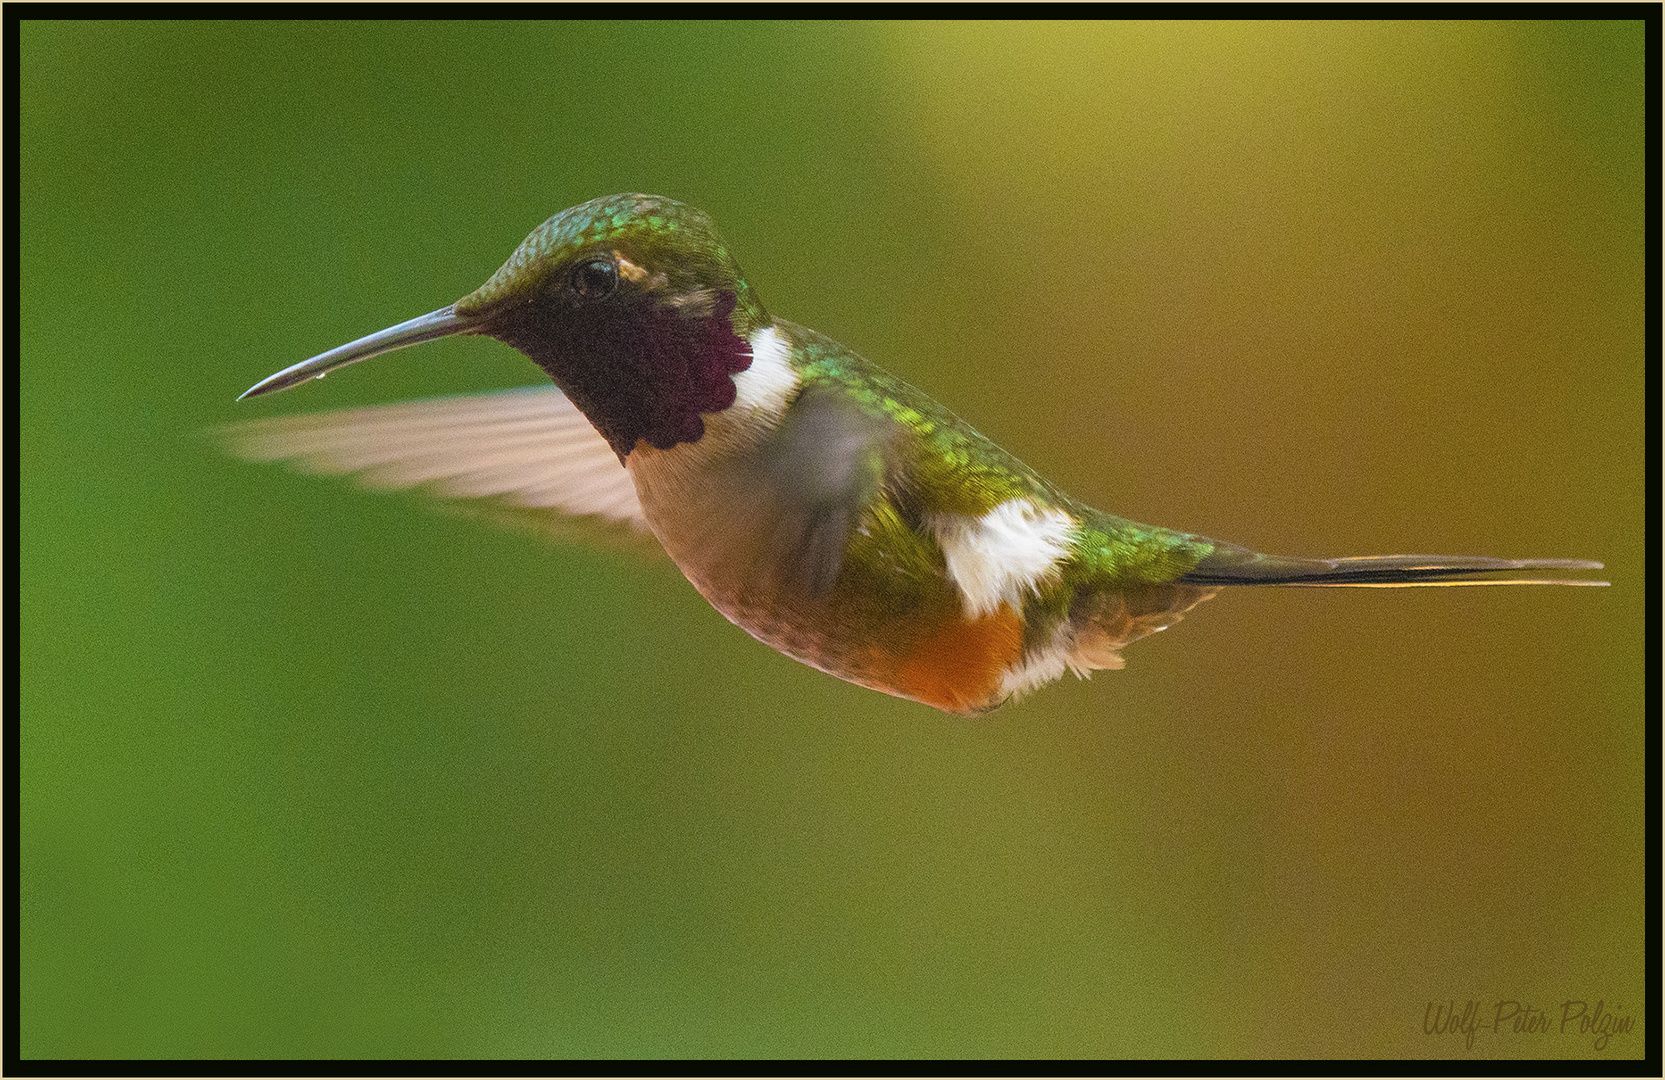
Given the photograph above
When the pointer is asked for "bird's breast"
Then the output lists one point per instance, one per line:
(932, 612)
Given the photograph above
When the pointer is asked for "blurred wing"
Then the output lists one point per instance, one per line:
(824, 466)
(528, 448)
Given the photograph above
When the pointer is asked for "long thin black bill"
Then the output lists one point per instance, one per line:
(435, 324)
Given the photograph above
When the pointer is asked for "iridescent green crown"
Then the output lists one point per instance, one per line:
(645, 224)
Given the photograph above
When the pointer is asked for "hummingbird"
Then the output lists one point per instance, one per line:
(821, 504)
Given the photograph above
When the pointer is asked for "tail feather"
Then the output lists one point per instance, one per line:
(1232, 565)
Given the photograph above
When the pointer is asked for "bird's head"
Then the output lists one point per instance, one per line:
(630, 303)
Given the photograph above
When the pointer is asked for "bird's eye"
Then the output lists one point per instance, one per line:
(595, 280)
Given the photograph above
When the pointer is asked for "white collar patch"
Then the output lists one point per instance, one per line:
(767, 385)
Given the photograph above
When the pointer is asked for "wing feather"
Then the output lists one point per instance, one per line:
(529, 447)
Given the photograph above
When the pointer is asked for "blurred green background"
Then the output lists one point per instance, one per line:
(307, 771)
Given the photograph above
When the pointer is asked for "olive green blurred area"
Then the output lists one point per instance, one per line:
(307, 771)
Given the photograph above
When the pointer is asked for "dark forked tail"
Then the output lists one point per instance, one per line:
(1232, 565)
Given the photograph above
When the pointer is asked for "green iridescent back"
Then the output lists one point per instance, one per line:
(959, 471)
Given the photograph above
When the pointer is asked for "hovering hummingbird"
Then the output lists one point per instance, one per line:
(824, 506)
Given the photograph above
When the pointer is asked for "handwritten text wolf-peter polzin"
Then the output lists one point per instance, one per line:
(1576, 1017)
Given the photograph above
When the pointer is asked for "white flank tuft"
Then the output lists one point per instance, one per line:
(1050, 661)
(1004, 555)
(1035, 669)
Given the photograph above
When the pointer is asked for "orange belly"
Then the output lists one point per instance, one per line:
(954, 664)
(958, 667)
